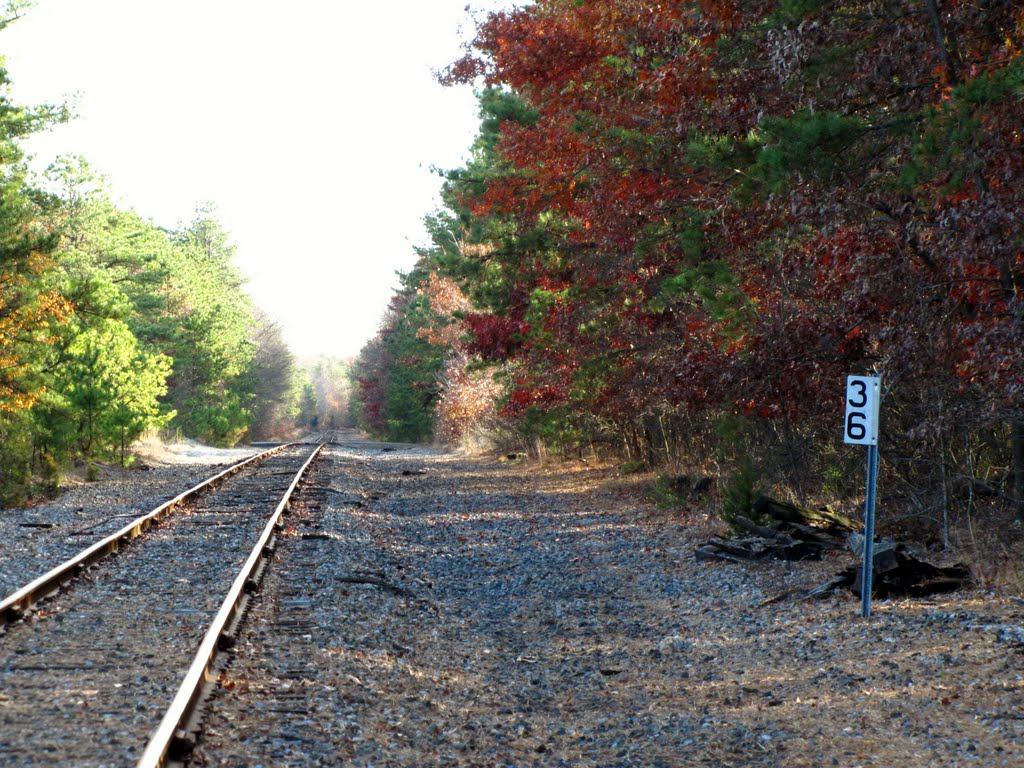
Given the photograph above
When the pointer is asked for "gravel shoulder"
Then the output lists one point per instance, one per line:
(469, 612)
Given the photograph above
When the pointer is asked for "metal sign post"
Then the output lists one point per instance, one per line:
(863, 398)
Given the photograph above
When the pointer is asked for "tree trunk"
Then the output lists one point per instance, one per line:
(945, 43)
(1017, 445)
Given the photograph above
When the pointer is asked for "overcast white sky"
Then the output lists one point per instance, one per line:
(311, 125)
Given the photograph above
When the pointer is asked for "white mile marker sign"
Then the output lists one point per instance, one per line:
(862, 402)
(863, 398)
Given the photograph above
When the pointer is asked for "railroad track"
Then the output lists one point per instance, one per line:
(107, 658)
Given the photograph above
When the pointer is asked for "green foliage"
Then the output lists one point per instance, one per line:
(307, 416)
(217, 416)
(103, 385)
(112, 389)
(620, 64)
(397, 372)
(739, 490)
(270, 380)
(498, 105)
(812, 143)
(560, 429)
(15, 458)
(772, 156)
(713, 286)
(50, 471)
(993, 87)
(27, 307)
(718, 153)
(411, 388)
(795, 11)
(738, 486)
(175, 300)
(668, 493)
(212, 340)
(946, 147)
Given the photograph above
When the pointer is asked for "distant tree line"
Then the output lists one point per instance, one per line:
(684, 222)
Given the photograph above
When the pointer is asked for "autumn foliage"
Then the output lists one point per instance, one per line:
(684, 216)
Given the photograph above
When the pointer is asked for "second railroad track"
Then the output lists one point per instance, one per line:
(123, 655)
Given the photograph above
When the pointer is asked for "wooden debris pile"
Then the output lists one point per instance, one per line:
(896, 572)
(797, 533)
(791, 533)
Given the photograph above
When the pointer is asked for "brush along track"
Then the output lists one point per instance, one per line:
(103, 660)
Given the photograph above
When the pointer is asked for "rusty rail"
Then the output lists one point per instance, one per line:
(176, 735)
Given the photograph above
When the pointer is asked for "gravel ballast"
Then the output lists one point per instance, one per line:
(431, 610)
(434, 610)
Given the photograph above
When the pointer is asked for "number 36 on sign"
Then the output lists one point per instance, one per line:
(862, 401)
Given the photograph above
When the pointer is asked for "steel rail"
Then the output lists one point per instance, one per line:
(173, 735)
(17, 604)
